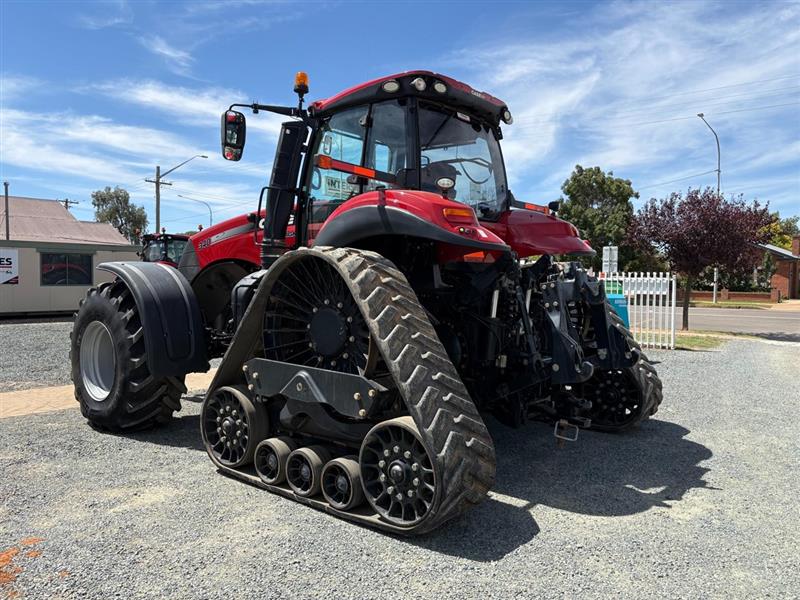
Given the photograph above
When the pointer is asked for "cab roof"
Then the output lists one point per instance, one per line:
(457, 95)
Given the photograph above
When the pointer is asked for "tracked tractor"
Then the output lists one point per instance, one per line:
(385, 296)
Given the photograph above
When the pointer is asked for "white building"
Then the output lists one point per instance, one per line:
(49, 260)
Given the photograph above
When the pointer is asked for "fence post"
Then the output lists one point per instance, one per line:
(672, 325)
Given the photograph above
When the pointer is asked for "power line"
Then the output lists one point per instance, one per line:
(652, 185)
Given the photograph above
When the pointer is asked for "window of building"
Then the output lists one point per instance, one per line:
(66, 269)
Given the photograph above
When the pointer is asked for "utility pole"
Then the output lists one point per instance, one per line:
(67, 202)
(8, 224)
(716, 137)
(158, 182)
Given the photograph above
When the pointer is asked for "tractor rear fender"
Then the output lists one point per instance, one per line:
(172, 326)
(344, 227)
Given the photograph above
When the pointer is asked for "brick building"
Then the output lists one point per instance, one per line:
(786, 279)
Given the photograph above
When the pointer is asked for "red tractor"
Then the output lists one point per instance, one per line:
(163, 247)
(388, 292)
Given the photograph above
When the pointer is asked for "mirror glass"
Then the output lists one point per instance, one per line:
(233, 132)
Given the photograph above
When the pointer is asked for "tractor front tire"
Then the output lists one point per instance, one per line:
(113, 384)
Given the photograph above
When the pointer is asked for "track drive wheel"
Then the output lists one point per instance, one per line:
(304, 470)
(270, 459)
(397, 472)
(109, 364)
(232, 426)
(623, 398)
(341, 483)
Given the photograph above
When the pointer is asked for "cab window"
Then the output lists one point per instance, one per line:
(386, 142)
(342, 138)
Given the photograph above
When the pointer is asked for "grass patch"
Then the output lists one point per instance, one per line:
(730, 304)
(693, 341)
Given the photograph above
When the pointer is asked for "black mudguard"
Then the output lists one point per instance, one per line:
(174, 336)
(370, 221)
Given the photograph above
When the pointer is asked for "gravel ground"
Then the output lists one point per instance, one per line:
(48, 341)
(698, 503)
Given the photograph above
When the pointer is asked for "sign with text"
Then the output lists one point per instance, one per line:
(9, 266)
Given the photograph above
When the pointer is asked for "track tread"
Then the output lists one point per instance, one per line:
(434, 394)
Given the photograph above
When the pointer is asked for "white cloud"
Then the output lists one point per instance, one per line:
(192, 106)
(592, 98)
(179, 60)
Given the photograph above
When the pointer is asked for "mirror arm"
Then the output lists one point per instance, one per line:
(289, 111)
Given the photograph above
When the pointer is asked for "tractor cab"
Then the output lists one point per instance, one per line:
(165, 248)
(420, 142)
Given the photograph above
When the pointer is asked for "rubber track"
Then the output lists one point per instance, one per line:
(434, 394)
(448, 421)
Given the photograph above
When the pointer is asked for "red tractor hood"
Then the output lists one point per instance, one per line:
(532, 233)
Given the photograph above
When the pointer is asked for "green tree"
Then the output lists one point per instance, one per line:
(115, 207)
(600, 206)
(781, 231)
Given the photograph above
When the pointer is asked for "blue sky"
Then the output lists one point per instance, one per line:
(97, 93)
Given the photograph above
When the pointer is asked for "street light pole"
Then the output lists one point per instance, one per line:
(716, 137)
(158, 183)
(208, 206)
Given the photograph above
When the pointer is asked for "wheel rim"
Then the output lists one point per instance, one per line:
(312, 319)
(267, 463)
(98, 361)
(336, 486)
(226, 427)
(300, 473)
(615, 398)
(397, 474)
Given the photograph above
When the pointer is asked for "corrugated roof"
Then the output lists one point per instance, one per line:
(40, 220)
(780, 252)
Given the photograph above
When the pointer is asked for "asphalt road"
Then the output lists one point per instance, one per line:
(699, 502)
(771, 324)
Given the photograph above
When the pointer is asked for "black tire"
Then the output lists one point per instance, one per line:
(623, 398)
(124, 396)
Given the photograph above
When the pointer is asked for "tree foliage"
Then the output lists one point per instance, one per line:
(115, 207)
(702, 229)
(600, 206)
(781, 231)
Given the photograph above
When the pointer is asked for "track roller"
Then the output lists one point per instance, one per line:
(232, 426)
(341, 483)
(397, 472)
(270, 459)
(304, 470)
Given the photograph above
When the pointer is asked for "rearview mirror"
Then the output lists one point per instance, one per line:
(233, 132)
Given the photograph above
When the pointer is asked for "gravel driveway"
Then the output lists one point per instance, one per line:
(34, 354)
(700, 502)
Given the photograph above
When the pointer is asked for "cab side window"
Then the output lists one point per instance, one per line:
(341, 138)
(386, 144)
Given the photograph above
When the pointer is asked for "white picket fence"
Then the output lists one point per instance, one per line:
(651, 305)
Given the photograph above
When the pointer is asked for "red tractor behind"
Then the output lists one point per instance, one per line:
(387, 292)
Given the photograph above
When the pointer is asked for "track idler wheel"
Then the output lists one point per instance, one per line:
(397, 472)
(232, 426)
(270, 459)
(304, 470)
(341, 483)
